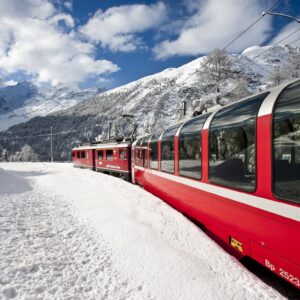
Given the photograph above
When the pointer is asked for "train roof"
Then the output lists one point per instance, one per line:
(103, 145)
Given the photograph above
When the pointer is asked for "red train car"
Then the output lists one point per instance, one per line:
(237, 172)
(108, 157)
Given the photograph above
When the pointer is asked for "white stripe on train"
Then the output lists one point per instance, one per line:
(278, 208)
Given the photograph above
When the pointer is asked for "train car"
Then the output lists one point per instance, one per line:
(110, 157)
(83, 157)
(237, 172)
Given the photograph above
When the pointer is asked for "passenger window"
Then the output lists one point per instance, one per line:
(132, 155)
(190, 148)
(78, 154)
(145, 151)
(100, 154)
(123, 154)
(232, 155)
(139, 152)
(82, 154)
(154, 151)
(286, 144)
(167, 150)
(109, 154)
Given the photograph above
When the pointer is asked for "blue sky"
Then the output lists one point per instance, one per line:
(110, 43)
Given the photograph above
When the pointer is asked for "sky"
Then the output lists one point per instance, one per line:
(110, 43)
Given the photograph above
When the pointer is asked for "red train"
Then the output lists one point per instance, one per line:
(110, 157)
(236, 171)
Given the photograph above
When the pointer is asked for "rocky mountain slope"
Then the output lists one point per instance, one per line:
(155, 101)
(23, 101)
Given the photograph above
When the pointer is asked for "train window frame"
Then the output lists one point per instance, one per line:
(102, 155)
(145, 151)
(175, 127)
(276, 195)
(138, 155)
(203, 118)
(123, 154)
(157, 136)
(110, 157)
(261, 97)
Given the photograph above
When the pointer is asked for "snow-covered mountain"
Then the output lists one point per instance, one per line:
(155, 101)
(21, 102)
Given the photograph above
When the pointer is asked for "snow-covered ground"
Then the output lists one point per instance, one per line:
(67, 233)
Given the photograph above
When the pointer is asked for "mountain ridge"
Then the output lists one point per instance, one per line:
(155, 101)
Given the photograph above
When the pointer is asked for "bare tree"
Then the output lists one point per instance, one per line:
(26, 154)
(277, 76)
(217, 67)
(293, 65)
(241, 89)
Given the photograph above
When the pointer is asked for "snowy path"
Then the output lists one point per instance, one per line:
(75, 234)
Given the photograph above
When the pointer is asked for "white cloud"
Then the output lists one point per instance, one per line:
(69, 4)
(66, 18)
(117, 27)
(216, 23)
(32, 41)
(287, 30)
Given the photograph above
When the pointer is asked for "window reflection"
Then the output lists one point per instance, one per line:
(167, 150)
(190, 148)
(232, 159)
(144, 151)
(286, 144)
(154, 151)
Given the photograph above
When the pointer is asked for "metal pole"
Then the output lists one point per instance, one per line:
(51, 145)
(280, 15)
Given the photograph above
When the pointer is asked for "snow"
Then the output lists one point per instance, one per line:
(68, 233)
(25, 100)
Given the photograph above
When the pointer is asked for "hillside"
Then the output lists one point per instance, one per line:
(23, 101)
(155, 101)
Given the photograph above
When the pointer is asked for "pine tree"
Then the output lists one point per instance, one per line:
(3, 154)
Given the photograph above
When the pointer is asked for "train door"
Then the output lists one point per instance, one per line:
(94, 159)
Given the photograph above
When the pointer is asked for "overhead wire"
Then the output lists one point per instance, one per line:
(250, 26)
(238, 36)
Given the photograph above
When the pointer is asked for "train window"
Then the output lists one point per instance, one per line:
(73, 153)
(232, 155)
(132, 155)
(78, 154)
(82, 154)
(100, 154)
(167, 150)
(109, 154)
(190, 148)
(153, 147)
(286, 144)
(145, 151)
(123, 154)
(138, 152)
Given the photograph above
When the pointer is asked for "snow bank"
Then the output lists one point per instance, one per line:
(134, 245)
(12, 184)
